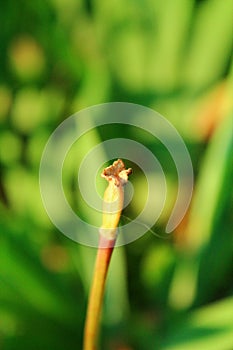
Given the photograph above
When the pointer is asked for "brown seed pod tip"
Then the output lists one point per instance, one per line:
(117, 172)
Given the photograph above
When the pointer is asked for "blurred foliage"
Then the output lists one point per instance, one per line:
(57, 57)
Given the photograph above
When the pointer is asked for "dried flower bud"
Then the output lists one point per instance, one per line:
(113, 200)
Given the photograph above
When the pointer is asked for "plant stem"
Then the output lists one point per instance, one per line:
(97, 291)
(113, 201)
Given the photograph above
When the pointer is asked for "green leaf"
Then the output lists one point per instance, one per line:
(210, 328)
(210, 44)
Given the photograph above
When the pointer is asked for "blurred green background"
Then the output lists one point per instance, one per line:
(57, 57)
